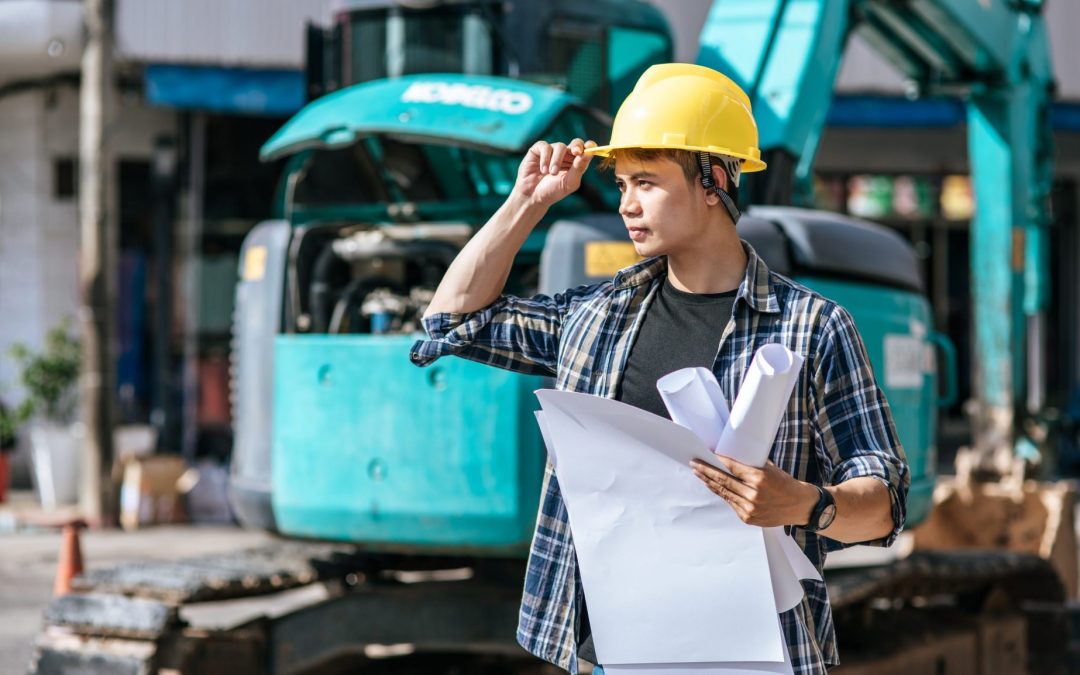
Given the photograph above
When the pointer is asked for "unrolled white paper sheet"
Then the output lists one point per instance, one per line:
(800, 564)
(545, 434)
(731, 668)
(670, 573)
(693, 398)
(760, 405)
(787, 591)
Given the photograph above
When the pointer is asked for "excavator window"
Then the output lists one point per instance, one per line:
(399, 41)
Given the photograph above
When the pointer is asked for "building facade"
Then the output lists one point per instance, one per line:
(199, 86)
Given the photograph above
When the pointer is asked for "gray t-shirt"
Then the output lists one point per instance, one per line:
(680, 330)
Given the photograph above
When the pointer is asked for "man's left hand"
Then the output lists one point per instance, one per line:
(767, 497)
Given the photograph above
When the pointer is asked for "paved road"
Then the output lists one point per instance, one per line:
(28, 568)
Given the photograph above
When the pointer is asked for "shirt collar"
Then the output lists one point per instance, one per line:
(756, 287)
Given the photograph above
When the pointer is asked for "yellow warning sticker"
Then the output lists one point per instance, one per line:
(605, 258)
(255, 263)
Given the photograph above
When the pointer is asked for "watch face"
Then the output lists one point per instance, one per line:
(827, 516)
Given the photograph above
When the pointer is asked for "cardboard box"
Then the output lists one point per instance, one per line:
(1035, 518)
(150, 491)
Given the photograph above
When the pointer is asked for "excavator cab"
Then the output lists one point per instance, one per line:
(338, 435)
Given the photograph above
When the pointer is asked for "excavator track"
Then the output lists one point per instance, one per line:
(286, 607)
(933, 600)
(300, 607)
(928, 574)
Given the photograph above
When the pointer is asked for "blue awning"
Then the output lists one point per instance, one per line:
(227, 90)
(889, 112)
(895, 113)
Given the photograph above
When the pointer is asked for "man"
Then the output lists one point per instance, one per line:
(701, 297)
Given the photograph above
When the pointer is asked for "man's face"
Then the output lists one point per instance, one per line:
(663, 213)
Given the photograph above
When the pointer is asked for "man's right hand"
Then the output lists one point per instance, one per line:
(551, 171)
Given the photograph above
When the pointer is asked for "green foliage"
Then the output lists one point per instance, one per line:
(8, 424)
(48, 379)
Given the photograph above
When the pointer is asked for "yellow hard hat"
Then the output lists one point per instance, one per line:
(681, 106)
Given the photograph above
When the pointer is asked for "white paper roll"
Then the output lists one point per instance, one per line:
(694, 400)
(759, 407)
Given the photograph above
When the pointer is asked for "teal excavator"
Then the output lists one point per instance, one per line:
(429, 479)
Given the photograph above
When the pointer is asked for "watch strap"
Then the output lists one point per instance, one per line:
(825, 499)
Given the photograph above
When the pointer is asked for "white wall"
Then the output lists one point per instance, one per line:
(242, 33)
(39, 38)
(686, 17)
(23, 245)
(21, 240)
(39, 234)
(44, 37)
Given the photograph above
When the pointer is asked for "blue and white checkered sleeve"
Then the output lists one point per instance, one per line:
(519, 334)
(854, 423)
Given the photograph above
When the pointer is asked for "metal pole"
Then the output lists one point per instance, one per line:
(192, 281)
(97, 271)
(164, 415)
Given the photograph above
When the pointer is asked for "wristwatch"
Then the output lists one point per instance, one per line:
(824, 511)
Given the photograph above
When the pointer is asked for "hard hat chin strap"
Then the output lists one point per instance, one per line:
(709, 184)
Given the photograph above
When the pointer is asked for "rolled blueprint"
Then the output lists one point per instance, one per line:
(759, 407)
(694, 400)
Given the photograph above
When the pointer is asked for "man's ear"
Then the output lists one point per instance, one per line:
(720, 178)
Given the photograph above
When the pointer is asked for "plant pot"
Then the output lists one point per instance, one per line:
(56, 458)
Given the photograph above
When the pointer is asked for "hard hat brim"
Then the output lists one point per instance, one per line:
(749, 164)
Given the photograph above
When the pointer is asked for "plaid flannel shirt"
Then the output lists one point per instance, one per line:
(837, 426)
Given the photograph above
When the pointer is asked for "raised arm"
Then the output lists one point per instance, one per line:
(548, 173)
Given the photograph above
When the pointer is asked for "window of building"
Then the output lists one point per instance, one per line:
(65, 183)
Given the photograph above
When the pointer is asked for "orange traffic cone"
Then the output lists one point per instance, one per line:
(70, 564)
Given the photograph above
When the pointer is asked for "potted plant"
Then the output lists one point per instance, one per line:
(48, 379)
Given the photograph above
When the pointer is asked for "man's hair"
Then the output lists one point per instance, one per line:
(686, 159)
